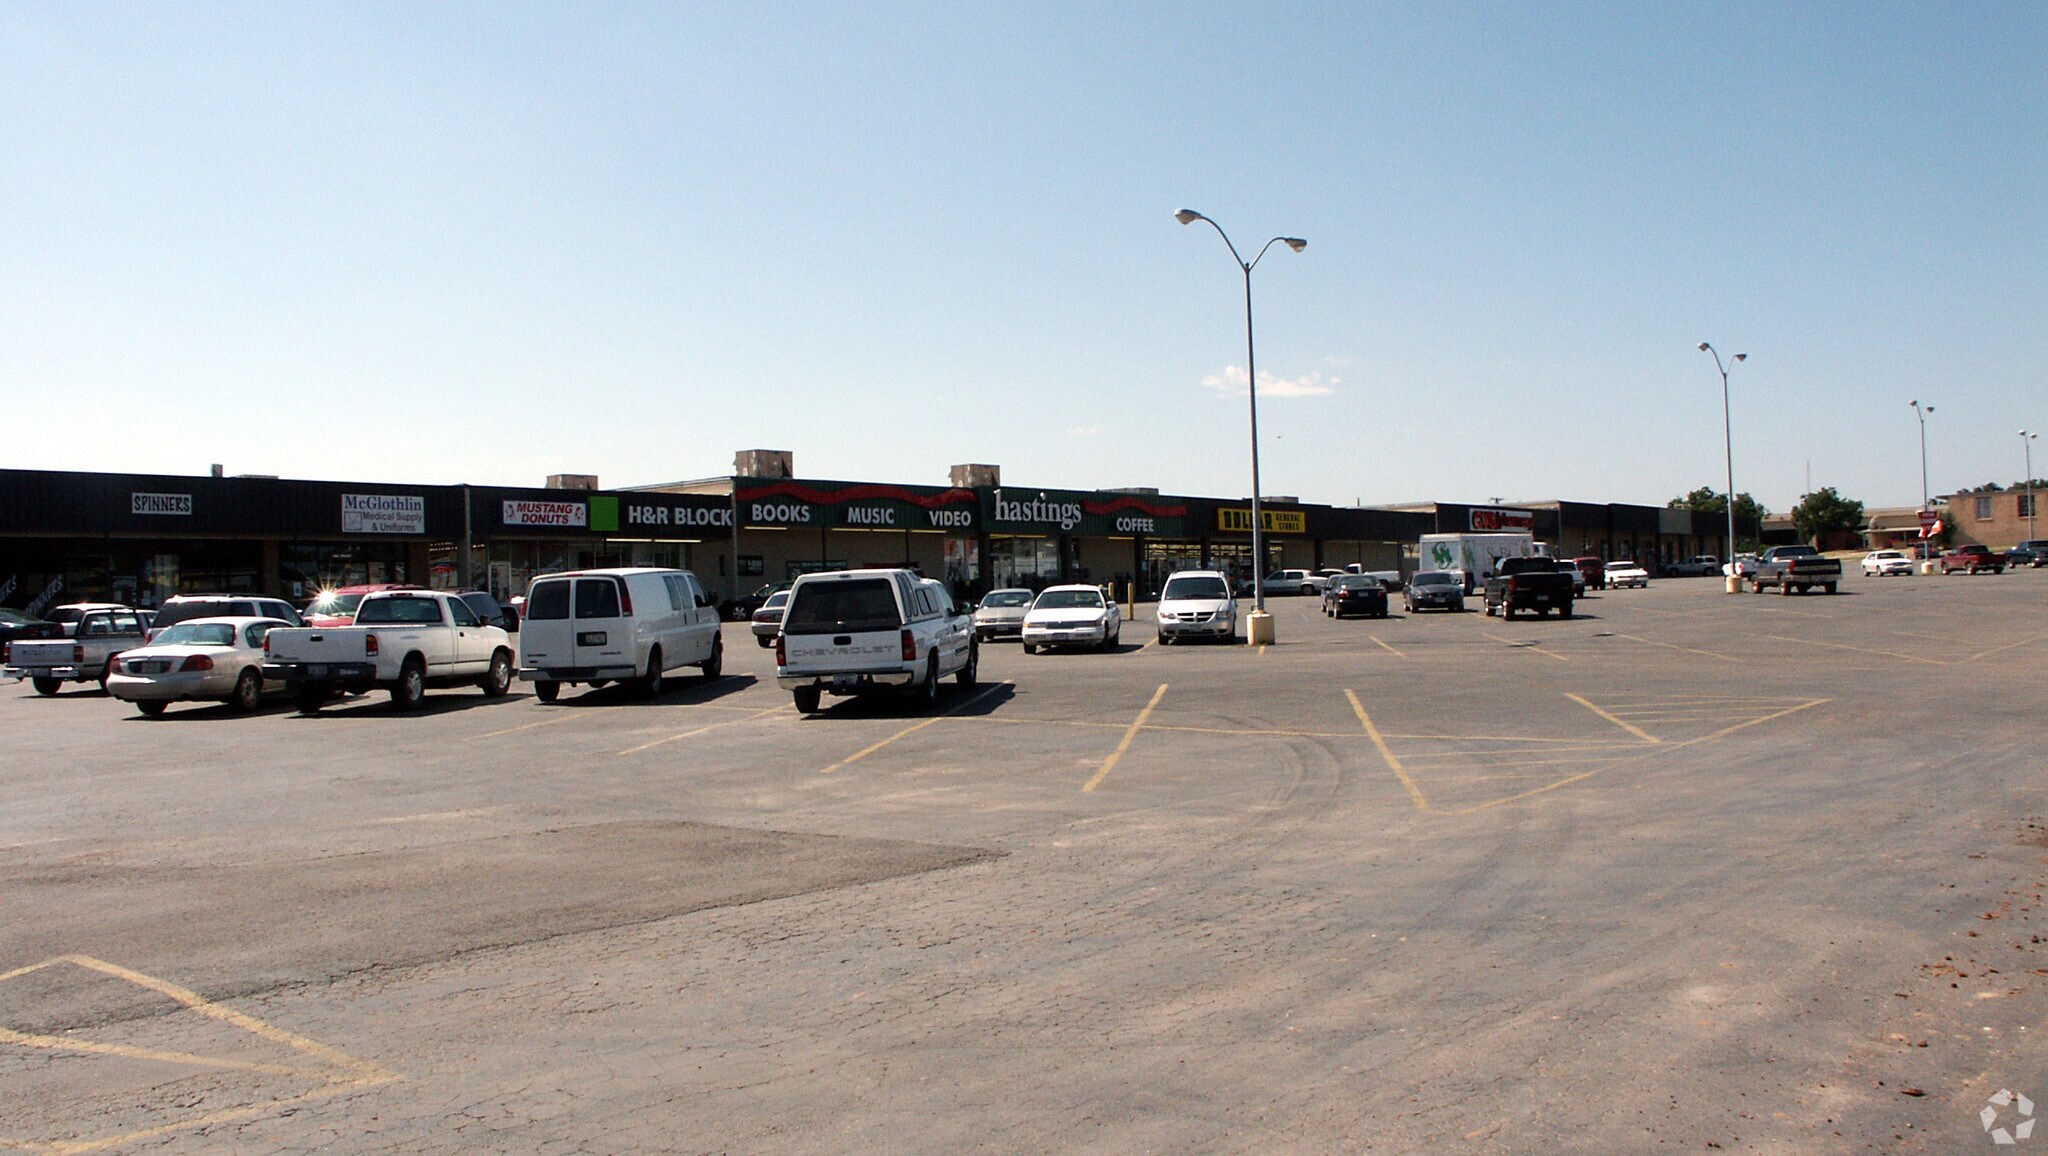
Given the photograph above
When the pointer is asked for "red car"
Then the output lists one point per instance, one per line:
(1972, 559)
(337, 607)
(1593, 570)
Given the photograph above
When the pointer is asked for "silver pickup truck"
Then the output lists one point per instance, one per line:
(403, 641)
(868, 631)
(87, 656)
(1794, 568)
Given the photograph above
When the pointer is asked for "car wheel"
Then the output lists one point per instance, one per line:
(106, 672)
(248, 693)
(1827, 587)
(547, 691)
(46, 686)
(651, 684)
(309, 699)
(1163, 640)
(1565, 611)
(152, 707)
(498, 680)
(928, 694)
(715, 665)
(767, 641)
(806, 698)
(1030, 648)
(1507, 611)
(967, 675)
(411, 686)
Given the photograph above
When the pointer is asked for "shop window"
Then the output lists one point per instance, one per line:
(2025, 505)
(1981, 508)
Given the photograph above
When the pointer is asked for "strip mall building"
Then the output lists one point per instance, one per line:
(139, 539)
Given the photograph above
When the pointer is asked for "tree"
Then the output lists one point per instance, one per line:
(1825, 512)
(1708, 500)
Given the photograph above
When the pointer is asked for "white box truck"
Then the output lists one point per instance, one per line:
(1476, 555)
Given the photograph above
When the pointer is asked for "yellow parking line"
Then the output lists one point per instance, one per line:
(1130, 734)
(912, 729)
(2007, 646)
(1385, 647)
(1631, 728)
(1532, 647)
(1857, 649)
(1674, 646)
(1725, 731)
(546, 722)
(700, 730)
(1387, 752)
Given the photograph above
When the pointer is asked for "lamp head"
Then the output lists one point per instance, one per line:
(1742, 357)
(1295, 243)
(1915, 403)
(1704, 347)
(1187, 216)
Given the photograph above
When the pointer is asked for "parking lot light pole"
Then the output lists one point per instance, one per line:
(1922, 411)
(1728, 445)
(1261, 627)
(2027, 444)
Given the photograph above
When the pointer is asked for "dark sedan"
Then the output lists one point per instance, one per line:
(1355, 593)
(14, 624)
(1440, 589)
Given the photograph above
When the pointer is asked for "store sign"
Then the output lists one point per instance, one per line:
(670, 514)
(178, 504)
(568, 515)
(1238, 520)
(383, 514)
(1083, 512)
(862, 507)
(1489, 519)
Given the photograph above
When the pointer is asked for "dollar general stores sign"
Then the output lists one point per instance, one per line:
(1238, 520)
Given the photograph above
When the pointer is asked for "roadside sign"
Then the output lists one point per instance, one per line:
(1930, 523)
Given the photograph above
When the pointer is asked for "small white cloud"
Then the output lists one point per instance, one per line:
(1233, 379)
(1085, 431)
(1340, 362)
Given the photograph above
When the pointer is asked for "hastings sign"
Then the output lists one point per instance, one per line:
(1070, 512)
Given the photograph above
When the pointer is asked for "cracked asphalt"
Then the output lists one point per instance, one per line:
(1690, 871)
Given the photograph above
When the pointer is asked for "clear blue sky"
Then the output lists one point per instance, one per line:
(487, 243)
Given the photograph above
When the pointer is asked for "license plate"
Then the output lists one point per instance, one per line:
(316, 672)
(842, 680)
(151, 667)
(592, 638)
(1543, 598)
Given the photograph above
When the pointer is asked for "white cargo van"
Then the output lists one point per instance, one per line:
(1476, 556)
(617, 625)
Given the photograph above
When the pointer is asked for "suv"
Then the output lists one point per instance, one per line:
(181, 607)
(854, 632)
(1293, 582)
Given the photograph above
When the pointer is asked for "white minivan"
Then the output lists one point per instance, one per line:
(631, 624)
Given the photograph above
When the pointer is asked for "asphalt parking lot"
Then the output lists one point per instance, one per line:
(1687, 871)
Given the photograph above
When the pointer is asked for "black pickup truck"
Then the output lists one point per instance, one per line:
(1528, 584)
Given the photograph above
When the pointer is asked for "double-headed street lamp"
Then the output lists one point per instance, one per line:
(1251, 372)
(2027, 443)
(1728, 445)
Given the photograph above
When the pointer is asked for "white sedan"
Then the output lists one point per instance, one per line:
(1626, 574)
(1879, 563)
(1001, 612)
(1071, 616)
(205, 659)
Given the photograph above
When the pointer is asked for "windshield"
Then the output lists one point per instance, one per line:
(1355, 582)
(14, 618)
(198, 634)
(1204, 587)
(65, 615)
(1008, 598)
(338, 605)
(776, 600)
(1069, 600)
(1433, 578)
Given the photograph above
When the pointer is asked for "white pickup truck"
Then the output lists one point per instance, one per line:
(403, 641)
(87, 656)
(866, 631)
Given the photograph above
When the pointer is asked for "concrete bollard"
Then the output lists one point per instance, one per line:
(1258, 627)
(1733, 584)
